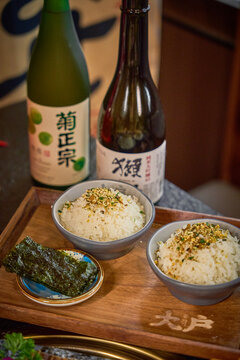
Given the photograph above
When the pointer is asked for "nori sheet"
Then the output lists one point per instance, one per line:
(52, 268)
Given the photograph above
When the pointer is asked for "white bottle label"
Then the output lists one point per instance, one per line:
(59, 143)
(144, 170)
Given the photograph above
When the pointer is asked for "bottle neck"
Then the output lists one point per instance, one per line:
(56, 19)
(133, 44)
(56, 5)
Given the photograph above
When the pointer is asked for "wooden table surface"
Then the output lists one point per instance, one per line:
(131, 300)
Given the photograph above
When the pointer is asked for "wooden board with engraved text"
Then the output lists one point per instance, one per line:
(133, 306)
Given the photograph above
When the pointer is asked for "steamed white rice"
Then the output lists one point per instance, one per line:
(103, 214)
(201, 254)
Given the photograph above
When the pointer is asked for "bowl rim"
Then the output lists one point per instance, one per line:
(105, 243)
(181, 283)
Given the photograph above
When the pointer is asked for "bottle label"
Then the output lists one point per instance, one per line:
(144, 170)
(59, 143)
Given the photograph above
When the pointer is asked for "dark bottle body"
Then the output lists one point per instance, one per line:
(131, 127)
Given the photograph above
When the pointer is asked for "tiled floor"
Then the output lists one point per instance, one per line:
(221, 196)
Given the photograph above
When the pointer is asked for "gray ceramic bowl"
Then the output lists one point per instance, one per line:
(107, 249)
(191, 293)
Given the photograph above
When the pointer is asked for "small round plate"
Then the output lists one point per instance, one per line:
(43, 295)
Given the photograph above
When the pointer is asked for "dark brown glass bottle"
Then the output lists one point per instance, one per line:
(131, 129)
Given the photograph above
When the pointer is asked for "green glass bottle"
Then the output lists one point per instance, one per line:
(131, 143)
(58, 101)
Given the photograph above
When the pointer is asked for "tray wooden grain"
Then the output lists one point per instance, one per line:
(132, 306)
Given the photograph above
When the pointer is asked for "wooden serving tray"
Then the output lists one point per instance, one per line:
(132, 306)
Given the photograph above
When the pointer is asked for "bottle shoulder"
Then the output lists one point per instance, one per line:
(132, 89)
(58, 71)
(131, 118)
(57, 80)
(132, 101)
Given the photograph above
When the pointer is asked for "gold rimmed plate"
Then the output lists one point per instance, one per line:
(84, 347)
(43, 295)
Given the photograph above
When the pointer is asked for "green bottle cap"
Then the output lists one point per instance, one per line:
(56, 5)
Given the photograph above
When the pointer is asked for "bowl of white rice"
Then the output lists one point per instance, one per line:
(103, 217)
(198, 260)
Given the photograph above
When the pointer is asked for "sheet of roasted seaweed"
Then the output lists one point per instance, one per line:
(52, 268)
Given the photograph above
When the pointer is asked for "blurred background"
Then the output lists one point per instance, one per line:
(199, 88)
(194, 52)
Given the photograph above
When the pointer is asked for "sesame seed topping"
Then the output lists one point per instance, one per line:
(197, 236)
(104, 198)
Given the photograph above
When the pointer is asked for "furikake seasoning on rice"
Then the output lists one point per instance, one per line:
(200, 253)
(103, 214)
(52, 268)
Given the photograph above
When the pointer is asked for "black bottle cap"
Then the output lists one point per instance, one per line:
(135, 6)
